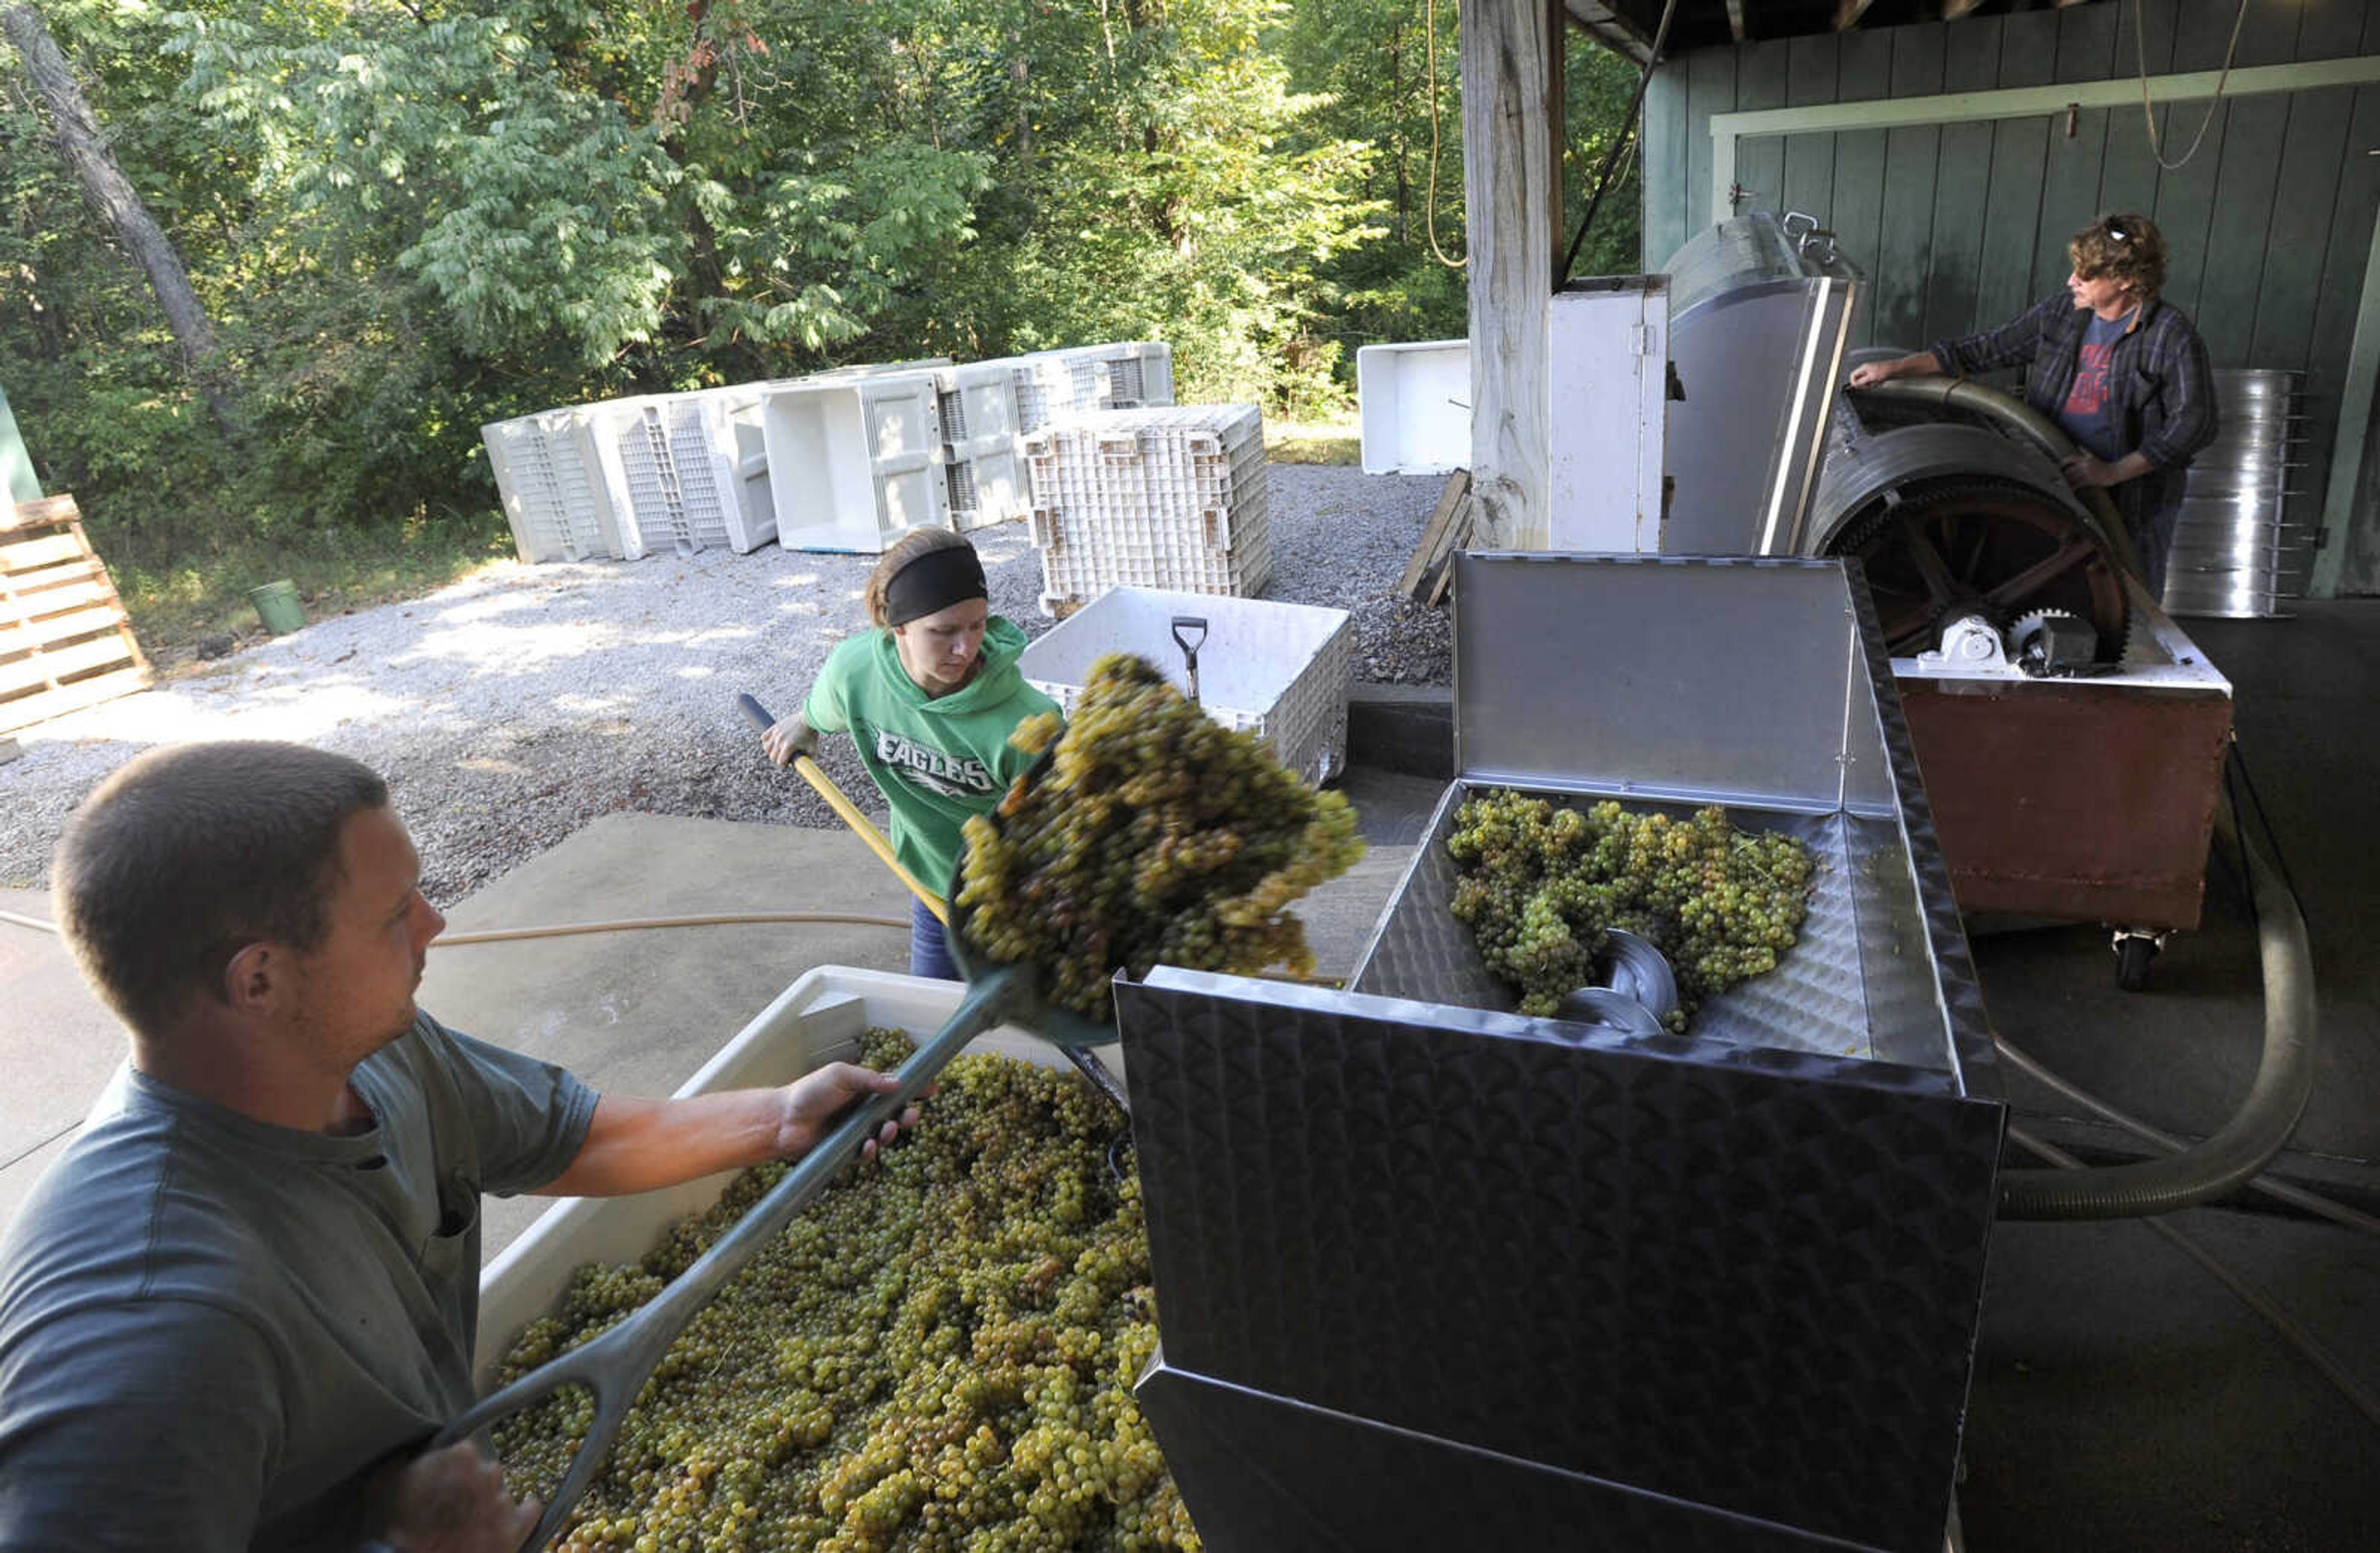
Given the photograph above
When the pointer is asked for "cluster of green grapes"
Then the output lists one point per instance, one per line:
(937, 1357)
(1540, 884)
(1152, 835)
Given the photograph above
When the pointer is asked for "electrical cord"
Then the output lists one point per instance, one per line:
(2148, 111)
(1429, 199)
(2283, 1324)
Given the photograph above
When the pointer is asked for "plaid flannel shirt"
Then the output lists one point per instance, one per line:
(2163, 386)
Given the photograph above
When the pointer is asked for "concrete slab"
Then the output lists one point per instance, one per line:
(57, 1046)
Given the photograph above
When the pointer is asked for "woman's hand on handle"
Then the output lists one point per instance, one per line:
(788, 737)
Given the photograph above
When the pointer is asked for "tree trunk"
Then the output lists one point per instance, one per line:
(86, 150)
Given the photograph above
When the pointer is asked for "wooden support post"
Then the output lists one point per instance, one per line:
(1512, 146)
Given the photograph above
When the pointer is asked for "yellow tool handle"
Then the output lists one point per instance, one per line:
(762, 719)
(813, 773)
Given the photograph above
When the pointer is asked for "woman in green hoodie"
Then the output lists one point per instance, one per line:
(930, 697)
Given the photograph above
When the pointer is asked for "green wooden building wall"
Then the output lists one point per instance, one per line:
(1960, 226)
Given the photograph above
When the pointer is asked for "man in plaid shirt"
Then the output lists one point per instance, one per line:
(2121, 370)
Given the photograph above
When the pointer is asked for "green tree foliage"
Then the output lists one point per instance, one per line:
(1373, 63)
(409, 218)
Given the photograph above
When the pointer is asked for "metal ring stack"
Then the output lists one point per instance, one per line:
(2234, 545)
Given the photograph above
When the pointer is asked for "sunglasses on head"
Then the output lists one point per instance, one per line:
(2115, 232)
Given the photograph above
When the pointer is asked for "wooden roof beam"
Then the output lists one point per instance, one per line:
(1612, 27)
(1954, 9)
(1848, 12)
(1738, 22)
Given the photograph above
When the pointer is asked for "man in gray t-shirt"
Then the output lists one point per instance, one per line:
(235, 1309)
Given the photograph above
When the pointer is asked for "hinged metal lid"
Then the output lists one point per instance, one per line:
(1699, 678)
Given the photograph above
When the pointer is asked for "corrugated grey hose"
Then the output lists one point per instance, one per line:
(2265, 1120)
(2044, 433)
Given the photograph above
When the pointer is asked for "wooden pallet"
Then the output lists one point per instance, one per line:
(65, 641)
(1449, 529)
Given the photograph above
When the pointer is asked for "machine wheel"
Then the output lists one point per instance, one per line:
(2134, 953)
(1977, 544)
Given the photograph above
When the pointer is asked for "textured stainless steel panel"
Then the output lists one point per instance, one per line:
(1263, 1474)
(1674, 677)
(1746, 1280)
(1791, 719)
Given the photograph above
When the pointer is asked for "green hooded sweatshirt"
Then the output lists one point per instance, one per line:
(936, 759)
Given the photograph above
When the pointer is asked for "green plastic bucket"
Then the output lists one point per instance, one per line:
(276, 604)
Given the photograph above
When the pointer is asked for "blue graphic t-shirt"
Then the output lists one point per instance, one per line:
(2093, 415)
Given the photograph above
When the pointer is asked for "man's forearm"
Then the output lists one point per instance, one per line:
(637, 1145)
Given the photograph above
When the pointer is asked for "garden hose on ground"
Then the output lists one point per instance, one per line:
(2265, 1118)
(563, 929)
(2284, 1326)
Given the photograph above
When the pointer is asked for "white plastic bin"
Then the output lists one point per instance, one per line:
(1414, 401)
(854, 463)
(1279, 670)
(548, 477)
(1171, 498)
(818, 1019)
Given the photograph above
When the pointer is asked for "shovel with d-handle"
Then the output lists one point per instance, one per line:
(614, 1366)
(839, 801)
(1190, 648)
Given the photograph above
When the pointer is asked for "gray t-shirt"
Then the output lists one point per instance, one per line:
(210, 1327)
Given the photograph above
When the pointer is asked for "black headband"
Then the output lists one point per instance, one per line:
(932, 583)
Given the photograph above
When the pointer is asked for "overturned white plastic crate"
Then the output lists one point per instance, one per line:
(1053, 386)
(983, 457)
(855, 463)
(1279, 670)
(549, 477)
(1414, 400)
(681, 461)
(1169, 498)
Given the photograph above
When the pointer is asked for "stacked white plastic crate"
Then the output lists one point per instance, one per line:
(865, 453)
(679, 454)
(1171, 497)
(1053, 386)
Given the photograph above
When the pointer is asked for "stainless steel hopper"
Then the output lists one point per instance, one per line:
(1430, 1273)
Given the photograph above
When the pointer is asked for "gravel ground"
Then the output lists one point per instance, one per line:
(509, 710)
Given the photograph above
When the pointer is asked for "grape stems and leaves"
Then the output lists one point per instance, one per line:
(1151, 835)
